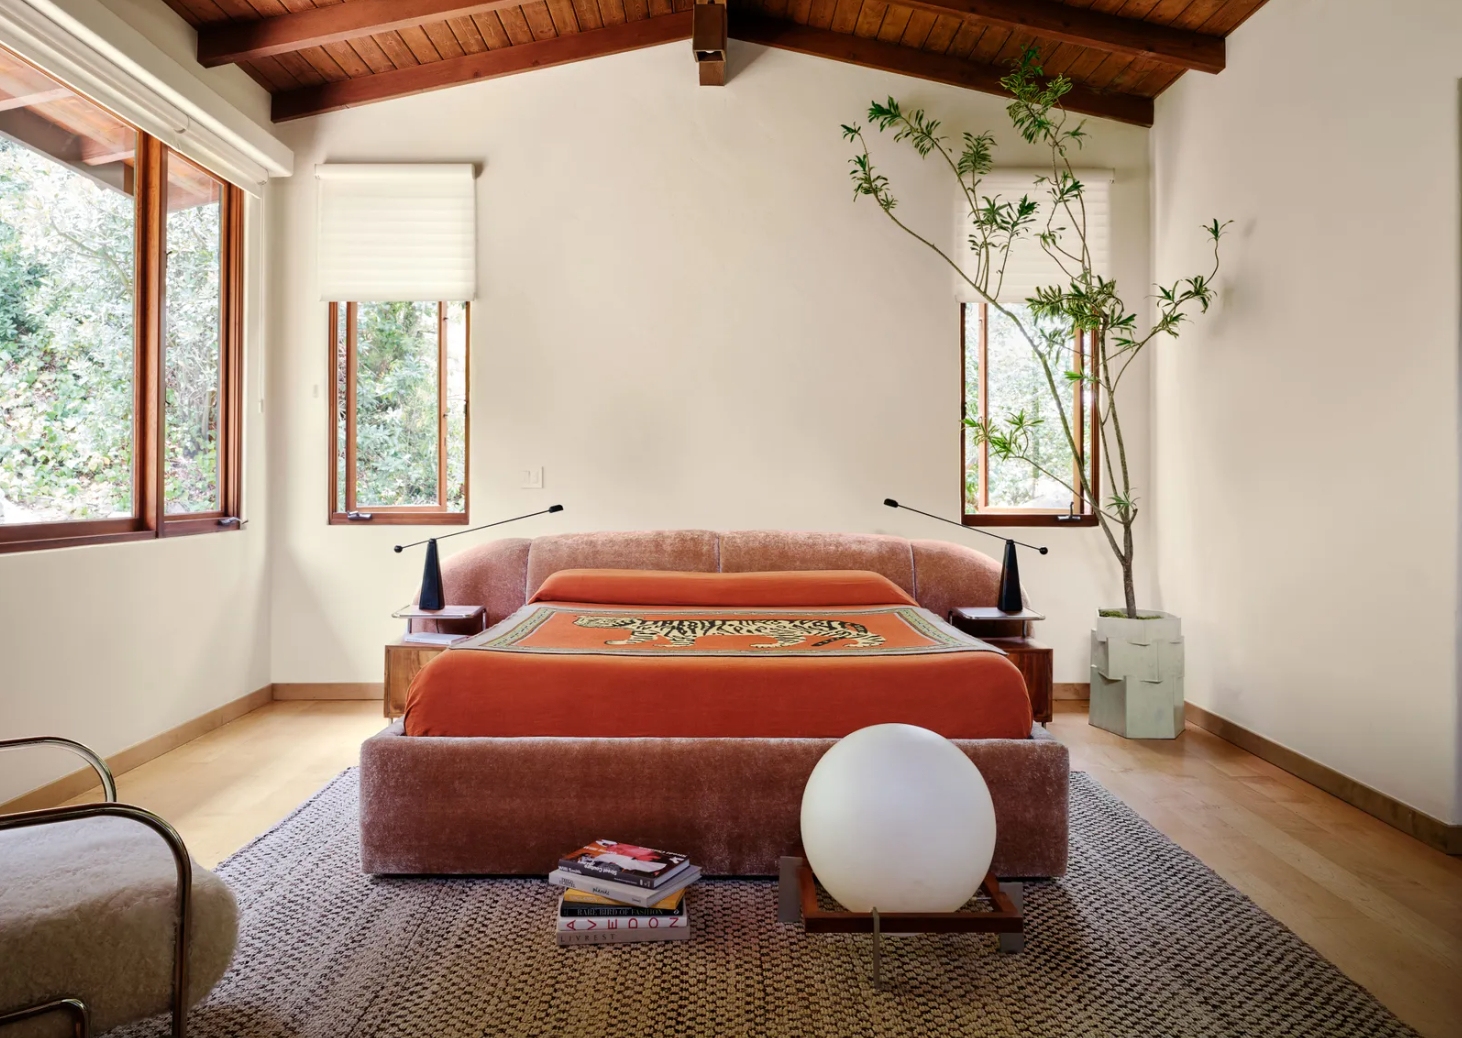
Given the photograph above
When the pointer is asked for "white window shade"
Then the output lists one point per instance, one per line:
(397, 233)
(1029, 267)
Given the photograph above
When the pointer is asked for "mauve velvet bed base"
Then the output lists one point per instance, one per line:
(510, 806)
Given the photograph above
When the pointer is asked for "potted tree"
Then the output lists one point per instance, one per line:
(1137, 654)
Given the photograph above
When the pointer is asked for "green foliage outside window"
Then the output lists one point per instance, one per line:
(194, 345)
(66, 342)
(1016, 385)
(396, 405)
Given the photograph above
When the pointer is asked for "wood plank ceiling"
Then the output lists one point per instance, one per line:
(317, 56)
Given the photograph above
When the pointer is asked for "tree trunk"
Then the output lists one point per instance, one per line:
(1129, 588)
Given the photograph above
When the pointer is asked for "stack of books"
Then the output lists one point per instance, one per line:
(618, 892)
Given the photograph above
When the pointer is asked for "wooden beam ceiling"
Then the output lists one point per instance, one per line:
(224, 43)
(347, 93)
(323, 55)
(229, 42)
(890, 57)
(1087, 28)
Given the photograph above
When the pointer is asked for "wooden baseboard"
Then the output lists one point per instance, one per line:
(53, 794)
(330, 690)
(1430, 831)
(1071, 690)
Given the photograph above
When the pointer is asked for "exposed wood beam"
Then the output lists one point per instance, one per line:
(224, 43)
(576, 46)
(1088, 28)
(891, 57)
(708, 41)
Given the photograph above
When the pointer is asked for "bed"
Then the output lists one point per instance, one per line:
(685, 708)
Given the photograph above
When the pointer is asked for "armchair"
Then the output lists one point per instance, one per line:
(83, 908)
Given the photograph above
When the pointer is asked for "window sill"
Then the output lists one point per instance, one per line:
(381, 517)
(86, 533)
(1059, 519)
(187, 526)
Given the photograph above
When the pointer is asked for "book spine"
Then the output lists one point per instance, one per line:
(573, 911)
(623, 936)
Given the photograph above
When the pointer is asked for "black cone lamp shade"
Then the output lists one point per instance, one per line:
(1009, 599)
(433, 596)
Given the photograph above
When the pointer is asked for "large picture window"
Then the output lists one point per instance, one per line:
(1004, 378)
(399, 435)
(120, 284)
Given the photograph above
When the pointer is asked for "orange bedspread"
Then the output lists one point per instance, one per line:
(620, 653)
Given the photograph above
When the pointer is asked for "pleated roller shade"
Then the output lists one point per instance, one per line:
(397, 232)
(1029, 267)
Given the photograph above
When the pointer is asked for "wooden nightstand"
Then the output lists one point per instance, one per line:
(403, 661)
(1010, 633)
(405, 658)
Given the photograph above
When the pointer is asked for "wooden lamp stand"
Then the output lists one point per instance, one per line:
(797, 902)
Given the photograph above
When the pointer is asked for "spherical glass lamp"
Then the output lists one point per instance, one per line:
(896, 817)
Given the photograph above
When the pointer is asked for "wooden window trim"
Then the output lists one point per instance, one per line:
(1086, 353)
(393, 515)
(149, 521)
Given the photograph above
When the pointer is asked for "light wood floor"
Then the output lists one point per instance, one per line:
(225, 788)
(1383, 907)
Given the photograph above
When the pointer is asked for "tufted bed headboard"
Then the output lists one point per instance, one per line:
(502, 575)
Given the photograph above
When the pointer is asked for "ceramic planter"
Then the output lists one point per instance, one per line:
(1137, 676)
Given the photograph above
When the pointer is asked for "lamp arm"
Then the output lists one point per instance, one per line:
(484, 526)
(909, 508)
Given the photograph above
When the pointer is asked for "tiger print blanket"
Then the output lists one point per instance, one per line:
(664, 631)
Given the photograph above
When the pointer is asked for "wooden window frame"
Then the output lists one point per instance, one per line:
(1085, 354)
(394, 515)
(149, 519)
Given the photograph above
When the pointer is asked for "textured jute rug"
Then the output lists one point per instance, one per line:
(1139, 938)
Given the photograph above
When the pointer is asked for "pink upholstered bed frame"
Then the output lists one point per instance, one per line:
(511, 805)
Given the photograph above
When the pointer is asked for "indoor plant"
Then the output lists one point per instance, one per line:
(1136, 655)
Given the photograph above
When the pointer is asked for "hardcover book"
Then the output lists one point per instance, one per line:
(625, 893)
(623, 863)
(569, 910)
(581, 898)
(624, 929)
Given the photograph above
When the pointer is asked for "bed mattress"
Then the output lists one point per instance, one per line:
(619, 653)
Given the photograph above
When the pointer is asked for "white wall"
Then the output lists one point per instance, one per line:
(114, 644)
(1306, 466)
(683, 317)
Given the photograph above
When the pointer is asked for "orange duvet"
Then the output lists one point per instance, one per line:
(616, 653)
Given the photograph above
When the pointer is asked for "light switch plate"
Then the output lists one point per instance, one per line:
(532, 479)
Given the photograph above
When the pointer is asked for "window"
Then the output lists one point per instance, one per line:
(120, 283)
(399, 438)
(1004, 378)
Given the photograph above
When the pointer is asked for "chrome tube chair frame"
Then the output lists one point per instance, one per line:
(78, 1010)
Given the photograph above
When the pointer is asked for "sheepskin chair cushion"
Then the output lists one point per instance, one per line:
(87, 910)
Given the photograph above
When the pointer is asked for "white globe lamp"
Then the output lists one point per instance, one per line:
(896, 817)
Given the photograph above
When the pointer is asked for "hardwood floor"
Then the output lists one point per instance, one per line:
(225, 788)
(1382, 906)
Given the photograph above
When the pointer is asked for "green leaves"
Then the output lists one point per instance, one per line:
(1031, 111)
(916, 128)
(978, 156)
(1086, 301)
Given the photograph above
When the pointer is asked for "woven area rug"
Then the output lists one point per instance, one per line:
(1138, 939)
